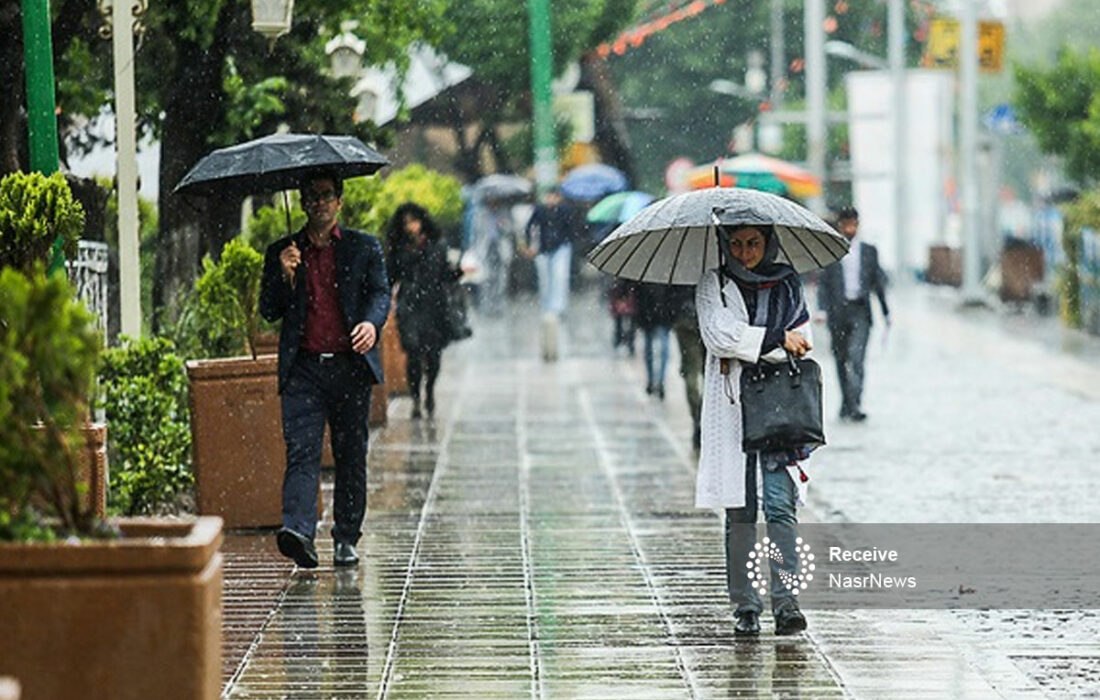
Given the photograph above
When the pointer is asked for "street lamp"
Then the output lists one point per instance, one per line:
(843, 49)
(345, 52)
(272, 17)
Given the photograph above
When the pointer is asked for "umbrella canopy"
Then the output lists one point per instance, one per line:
(619, 207)
(675, 239)
(593, 181)
(499, 187)
(278, 162)
(758, 172)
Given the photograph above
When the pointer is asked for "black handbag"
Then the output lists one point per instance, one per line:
(781, 406)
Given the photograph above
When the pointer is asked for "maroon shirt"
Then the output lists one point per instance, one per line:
(325, 329)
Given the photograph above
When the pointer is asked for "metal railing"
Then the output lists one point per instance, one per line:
(88, 273)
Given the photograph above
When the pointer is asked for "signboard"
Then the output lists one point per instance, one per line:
(942, 50)
(578, 108)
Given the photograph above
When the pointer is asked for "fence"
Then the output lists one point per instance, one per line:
(88, 273)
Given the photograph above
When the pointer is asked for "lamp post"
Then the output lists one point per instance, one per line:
(816, 129)
(546, 160)
(123, 16)
(345, 52)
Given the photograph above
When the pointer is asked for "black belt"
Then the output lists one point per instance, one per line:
(320, 357)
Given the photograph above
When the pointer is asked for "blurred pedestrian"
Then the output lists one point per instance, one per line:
(492, 245)
(750, 309)
(623, 305)
(549, 240)
(328, 286)
(656, 310)
(685, 325)
(422, 288)
(844, 294)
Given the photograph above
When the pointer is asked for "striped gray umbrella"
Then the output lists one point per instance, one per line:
(674, 240)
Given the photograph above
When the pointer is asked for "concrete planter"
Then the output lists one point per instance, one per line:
(134, 618)
(944, 265)
(237, 447)
(393, 359)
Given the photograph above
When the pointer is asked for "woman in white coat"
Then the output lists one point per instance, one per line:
(750, 309)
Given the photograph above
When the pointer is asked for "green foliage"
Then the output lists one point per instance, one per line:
(369, 202)
(221, 316)
(48, 351)
(249, 105)
(1061, 107)
(1084, 213)
(440, 194)
(268, 223)
(145, 399)
(34, 211)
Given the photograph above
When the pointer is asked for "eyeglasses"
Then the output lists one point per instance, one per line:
(309, 196)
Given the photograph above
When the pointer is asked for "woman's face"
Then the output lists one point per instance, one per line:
(747, 246)
(412, 225)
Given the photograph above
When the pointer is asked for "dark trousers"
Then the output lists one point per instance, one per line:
(850, 328)
(335, 390)
(418, 364)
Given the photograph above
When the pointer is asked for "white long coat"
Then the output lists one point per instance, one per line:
(726, 332)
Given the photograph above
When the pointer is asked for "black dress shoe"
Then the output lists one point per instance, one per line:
(344, 554)
(858, 417)
(789, 620)
(748, 624)
(297, 547)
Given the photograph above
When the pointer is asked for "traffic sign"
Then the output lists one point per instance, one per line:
(942, 50)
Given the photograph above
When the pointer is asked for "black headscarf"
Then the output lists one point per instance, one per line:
(767, 273)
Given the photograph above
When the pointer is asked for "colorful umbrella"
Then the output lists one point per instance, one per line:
(758, 172)
(617, 208)
(593, 181)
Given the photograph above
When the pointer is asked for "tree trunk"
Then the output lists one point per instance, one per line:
(611, 134)
(191, 112)
(13, 132)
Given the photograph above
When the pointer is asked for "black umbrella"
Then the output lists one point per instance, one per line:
(278, 162)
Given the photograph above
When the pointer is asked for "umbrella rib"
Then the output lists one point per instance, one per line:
(843, 251)
(613, 246)
(656, 249)
(676, 258)
(804, 247)
(629, 258)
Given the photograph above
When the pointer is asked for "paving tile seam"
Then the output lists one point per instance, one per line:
(429, 501)
(538, 691)
(593, 428)
(257, 638)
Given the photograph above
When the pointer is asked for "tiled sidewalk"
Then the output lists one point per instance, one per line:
(536, 540)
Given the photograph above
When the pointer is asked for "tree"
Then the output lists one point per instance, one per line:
(493, 42)
(1061, 107)
(664, 83)
(206, 80)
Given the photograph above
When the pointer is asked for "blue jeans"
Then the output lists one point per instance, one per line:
(779, 513)
(552, 269)
(656, 363)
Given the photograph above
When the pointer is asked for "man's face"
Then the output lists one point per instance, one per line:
(320, 201)
(848, 227)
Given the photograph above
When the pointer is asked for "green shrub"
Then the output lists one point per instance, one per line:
(221, 316)
(268, 224)
(1083, 213)
(34, 211)
(145, 399)
(48, 351)
(369, 202)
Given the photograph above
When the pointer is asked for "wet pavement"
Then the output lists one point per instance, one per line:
(537, 539)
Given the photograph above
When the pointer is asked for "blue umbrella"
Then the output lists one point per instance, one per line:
(617, 208)
(593, 181)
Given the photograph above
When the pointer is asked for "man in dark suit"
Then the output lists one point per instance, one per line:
(329, 287)
(844, 293)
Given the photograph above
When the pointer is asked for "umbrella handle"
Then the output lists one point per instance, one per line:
(716, 179)
(286, 206)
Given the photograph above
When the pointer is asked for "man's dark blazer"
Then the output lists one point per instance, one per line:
(872, 280)
(364, 294)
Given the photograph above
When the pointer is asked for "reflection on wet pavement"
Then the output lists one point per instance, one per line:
(537, 540)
